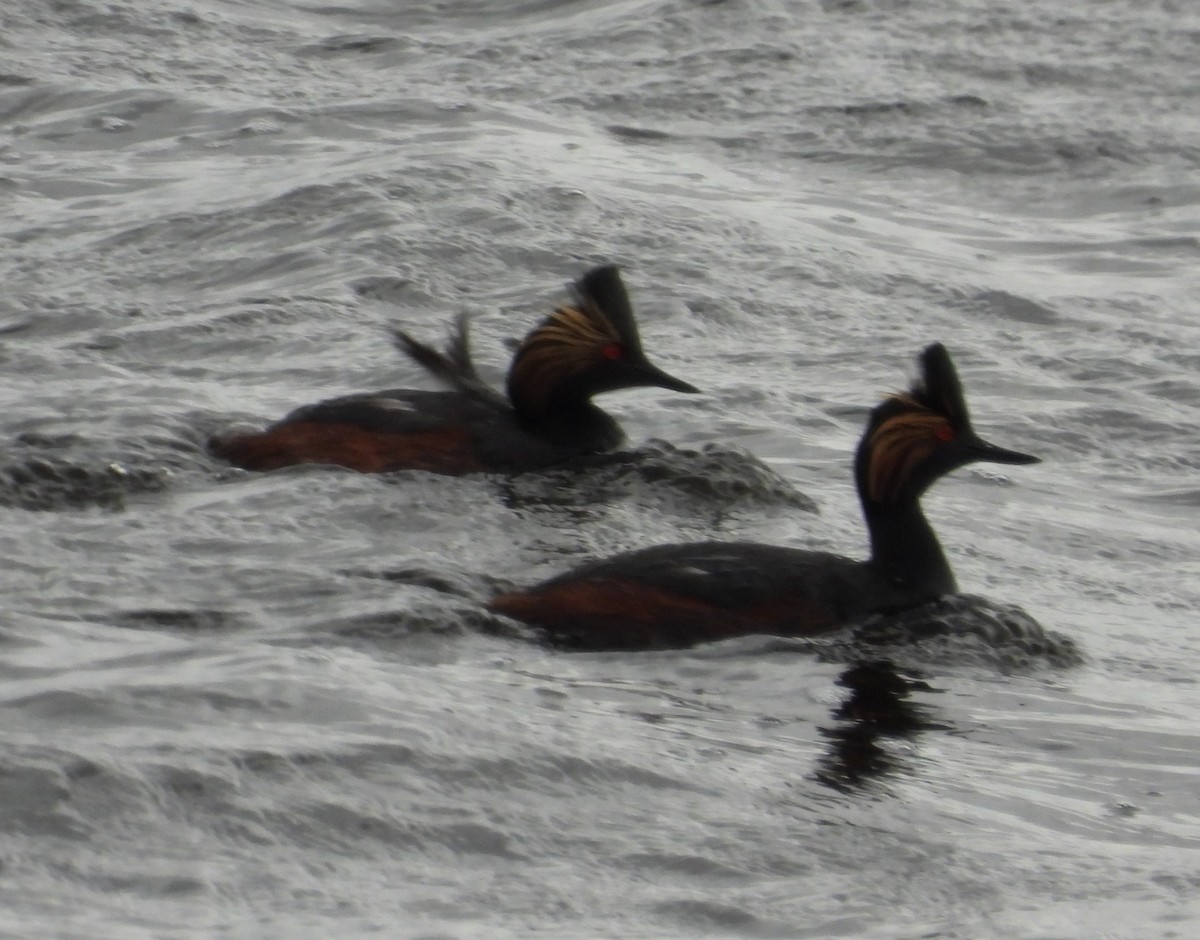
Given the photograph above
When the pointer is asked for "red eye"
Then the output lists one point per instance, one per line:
(943, 432)
(612, 350)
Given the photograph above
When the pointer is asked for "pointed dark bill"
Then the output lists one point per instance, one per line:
(983, 450)
(652, 375)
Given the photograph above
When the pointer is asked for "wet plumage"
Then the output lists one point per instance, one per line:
(682, 594)
(580, 350)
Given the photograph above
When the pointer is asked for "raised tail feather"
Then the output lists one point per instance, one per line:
(454, 366)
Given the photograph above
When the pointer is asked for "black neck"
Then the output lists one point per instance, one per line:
(572, 421)
(905, 551)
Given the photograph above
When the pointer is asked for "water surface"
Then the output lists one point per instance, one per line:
(272, 705)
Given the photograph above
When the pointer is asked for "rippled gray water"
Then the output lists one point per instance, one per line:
(272, 705)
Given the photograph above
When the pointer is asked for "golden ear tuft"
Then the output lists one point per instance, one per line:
(900, 445)
(566, 343)
(581, 327)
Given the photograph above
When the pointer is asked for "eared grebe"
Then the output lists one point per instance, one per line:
(678, 595)
(582, 349)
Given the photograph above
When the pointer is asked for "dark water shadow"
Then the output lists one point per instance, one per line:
(877, 710)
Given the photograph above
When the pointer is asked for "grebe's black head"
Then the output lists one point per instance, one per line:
(914, 438)
(585, 348)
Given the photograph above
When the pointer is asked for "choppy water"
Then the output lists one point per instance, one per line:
(244, 705)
